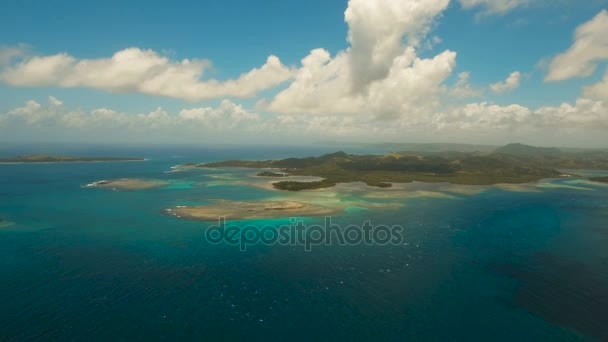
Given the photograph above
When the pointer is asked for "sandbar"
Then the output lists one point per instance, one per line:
(128, 184)
(235, 210)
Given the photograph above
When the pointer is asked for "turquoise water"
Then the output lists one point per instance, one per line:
(81, 263)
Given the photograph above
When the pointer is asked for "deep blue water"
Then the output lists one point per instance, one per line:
(94, 264)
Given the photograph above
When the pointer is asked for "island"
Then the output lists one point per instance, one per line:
(40, 158)
(510, 164)
(599, 179)
(128, 184)
(234, 210)
(4, 223)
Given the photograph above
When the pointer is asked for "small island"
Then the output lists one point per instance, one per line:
(128, 184)
(40, 158)
(4, 223)
(599, 179)
(234, 210)
(511, 164)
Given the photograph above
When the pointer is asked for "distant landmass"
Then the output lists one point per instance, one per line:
(555, 157)
(63, 159)
(514, 163)
(528, 151)
(458, 147)
(434, 147)
(416, 147)
(600, 179)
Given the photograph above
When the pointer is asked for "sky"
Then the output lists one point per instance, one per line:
(286, 71)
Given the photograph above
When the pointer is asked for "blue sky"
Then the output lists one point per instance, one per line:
(237, 35)
(490, 42)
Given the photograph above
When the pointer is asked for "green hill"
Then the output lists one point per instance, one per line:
(522, 150)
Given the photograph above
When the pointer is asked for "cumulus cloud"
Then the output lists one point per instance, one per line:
(581, 121)
(55, 101)
(322, 87)
(377, 29)
(380, 75)
(598, 90)
(590, 46)
(378, 88)
(143, 71)
(483, 116)
(463, 88)
(8, 53)
(494, 6)
(584, 114)
(227, 116)
(511, 83)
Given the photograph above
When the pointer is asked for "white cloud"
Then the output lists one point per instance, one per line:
(586, 120)
(227, 116)
(463, 88)
(511, 83)
(583, 123)
(378, 88)
(590, 46)
(54, 101)
(143, 71)
(378, 76)
(598, 90)
(412, 87)
(35, 114)
(8, 53)
(494, 6)
(483, 117)
(322, 87)
(584, 114)
(376, 31)
(30, 107)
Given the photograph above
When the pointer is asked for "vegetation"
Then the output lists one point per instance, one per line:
(599, 179)
(554, 158)
(62, 159)
(514, 164)
(528, 151)
(297, 186)
(271, 174)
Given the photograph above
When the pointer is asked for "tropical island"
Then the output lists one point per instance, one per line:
(128, 184)
(511, 164)
(41, 158)
(235, 210)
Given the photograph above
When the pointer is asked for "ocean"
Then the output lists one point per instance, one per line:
(491, 263)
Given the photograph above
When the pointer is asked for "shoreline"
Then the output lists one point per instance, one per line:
(241, 210)
(383, 171)
(72, 161)
(126, 184)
